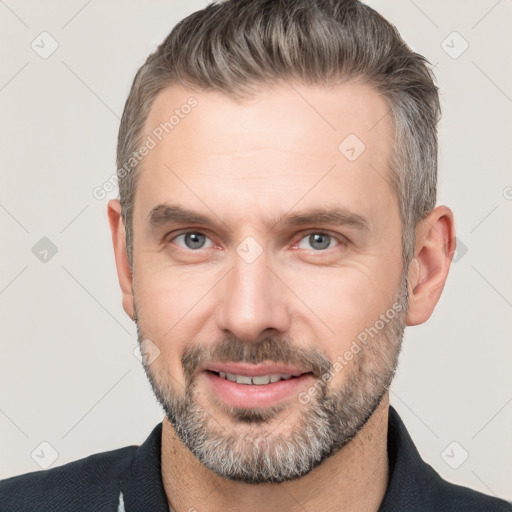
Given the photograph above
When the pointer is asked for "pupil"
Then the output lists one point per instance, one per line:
(319, 241)
(194, 240)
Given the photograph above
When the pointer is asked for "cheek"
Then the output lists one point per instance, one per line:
(168, 305)
(166, 294)
(342, 303)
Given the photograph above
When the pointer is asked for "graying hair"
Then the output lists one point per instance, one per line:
(238, 47)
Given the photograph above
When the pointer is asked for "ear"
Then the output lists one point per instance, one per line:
(124, 273)
(433, 253)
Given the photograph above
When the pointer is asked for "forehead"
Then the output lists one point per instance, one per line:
(290, 143)
(328, 112)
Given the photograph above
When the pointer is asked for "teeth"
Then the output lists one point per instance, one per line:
(260, 380)
(263, 379)
(242, 379)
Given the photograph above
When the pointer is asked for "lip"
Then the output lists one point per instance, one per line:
(251, 370)
(251, 396)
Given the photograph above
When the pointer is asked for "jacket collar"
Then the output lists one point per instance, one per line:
(409, 476)
(142, 487)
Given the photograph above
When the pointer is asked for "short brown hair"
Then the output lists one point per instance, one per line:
(238, 46)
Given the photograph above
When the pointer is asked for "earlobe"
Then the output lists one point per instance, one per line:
(124, 272)
(428, 271)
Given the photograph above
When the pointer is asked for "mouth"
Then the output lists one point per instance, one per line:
(255, 386)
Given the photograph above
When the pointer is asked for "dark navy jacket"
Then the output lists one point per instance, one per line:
(129, 480)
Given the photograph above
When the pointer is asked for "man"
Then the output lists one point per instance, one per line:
(276, 231)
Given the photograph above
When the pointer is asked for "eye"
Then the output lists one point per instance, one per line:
(318, 241)
(192, 240)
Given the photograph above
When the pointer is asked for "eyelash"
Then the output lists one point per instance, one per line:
(342, 241)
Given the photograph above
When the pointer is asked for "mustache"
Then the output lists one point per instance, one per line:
(275, 349)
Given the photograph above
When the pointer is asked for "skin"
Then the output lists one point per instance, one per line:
(246, 165)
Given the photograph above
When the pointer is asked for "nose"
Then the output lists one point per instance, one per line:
(252, 301)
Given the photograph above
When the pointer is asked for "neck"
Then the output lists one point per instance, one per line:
(358, 474)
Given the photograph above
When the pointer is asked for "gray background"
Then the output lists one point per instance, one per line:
(68, 374)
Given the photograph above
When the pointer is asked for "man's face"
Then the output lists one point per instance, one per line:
(280, 253)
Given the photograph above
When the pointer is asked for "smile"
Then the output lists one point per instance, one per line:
(257, 390)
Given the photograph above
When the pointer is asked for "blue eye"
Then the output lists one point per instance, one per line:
(193, 240)
(318, 241)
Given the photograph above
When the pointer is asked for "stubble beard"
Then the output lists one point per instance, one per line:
(248, 445)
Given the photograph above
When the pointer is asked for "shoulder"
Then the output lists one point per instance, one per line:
(445, 495)
(93, 480)
(416, 486)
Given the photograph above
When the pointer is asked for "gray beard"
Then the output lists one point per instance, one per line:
(327, 422)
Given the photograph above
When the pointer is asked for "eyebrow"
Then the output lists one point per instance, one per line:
(338, 216)
(164, 214)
